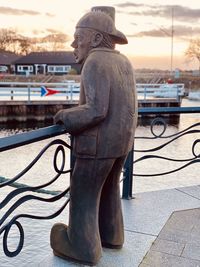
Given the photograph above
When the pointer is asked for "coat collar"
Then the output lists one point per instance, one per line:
(104, 49)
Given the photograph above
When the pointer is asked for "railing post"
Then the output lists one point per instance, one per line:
(128, 177)
(179, 93)
(72, 157)
(145, 93)
(29, 94)
(11, 93)
(71, 92)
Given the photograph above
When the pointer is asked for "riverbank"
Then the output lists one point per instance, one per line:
(190, 81)
(13, 112)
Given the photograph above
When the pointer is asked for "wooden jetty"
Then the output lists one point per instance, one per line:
(30, 102)
(44, 111)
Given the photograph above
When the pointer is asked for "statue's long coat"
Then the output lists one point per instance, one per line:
(105, 120)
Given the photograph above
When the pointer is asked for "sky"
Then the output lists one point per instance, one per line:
(147, 25)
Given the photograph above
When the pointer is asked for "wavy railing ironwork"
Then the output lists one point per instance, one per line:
(173, 137)
(52, 131)
(5, 228)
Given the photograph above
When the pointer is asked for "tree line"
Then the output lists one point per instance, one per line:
(12, 41)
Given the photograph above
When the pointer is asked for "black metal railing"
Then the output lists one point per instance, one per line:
(8, 143)
(11, 142)
(158, 112)
(188, 161)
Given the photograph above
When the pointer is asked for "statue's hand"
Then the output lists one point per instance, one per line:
(58, 118)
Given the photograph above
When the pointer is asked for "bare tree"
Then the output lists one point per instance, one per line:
(54, 42)
(6, 39)
(193, 50)
(11, 41)
(25, 45)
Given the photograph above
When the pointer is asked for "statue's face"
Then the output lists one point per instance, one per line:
(81, 44)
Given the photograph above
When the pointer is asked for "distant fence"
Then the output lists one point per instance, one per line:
(70, 90)
(155, 90)
(37, 90)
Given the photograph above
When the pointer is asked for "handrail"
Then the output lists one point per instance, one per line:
(168, 110)
(21, 139)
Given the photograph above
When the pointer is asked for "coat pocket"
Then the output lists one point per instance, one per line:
(86, 145)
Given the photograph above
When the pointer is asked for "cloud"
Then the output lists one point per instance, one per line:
(53, 31)
(49, 15)
(38, 32)
(49, 32)
(181, 13)
(21, 12)
(61, 37)
(134, 24)
(183, 31)
(179, 31)
(186, 13)
(17, 12)
(150, 33)
(129, 4)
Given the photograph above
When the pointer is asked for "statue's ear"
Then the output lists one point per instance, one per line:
(97, 38)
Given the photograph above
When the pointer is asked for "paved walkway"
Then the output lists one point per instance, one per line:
(144, 219)
(178, 243)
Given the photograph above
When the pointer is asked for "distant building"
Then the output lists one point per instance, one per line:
(47, 63)
(6, 62)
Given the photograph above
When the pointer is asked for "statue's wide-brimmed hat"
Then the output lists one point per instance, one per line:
(102, 18)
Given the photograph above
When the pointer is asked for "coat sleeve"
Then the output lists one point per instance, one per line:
(96, 86)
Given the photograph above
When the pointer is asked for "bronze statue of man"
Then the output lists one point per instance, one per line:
(103, 126)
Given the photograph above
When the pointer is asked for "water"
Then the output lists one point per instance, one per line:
(15, 160)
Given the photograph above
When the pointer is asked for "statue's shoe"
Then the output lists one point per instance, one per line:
(63, 248)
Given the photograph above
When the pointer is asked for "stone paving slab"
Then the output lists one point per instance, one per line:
(191, 251)
(179, 227)
(177, 244)
(159, 259)
(149, 211)
(169, 247)
(191, 190)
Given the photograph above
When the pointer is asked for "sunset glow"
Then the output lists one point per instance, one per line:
(146, 24)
